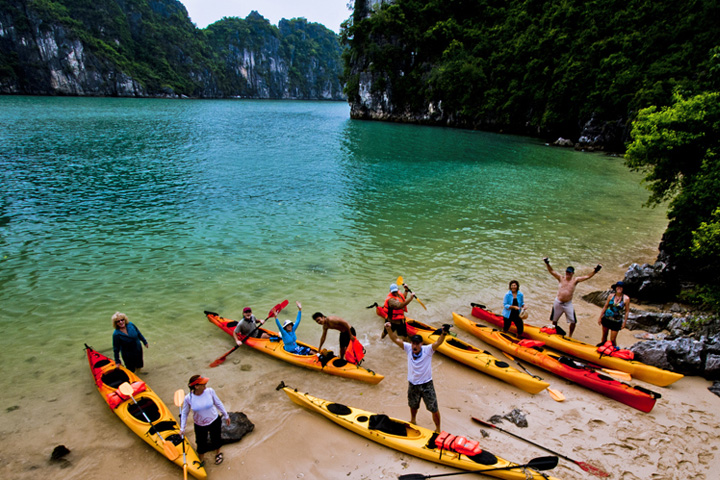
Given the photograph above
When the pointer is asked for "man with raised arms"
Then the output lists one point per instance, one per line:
(566, 290)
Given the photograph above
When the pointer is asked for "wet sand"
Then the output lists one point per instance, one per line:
(679, 439)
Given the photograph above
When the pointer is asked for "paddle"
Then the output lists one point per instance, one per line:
(400, 282)
(170, 451)
(179, 399)
(587, 467)
(555, 394)
(273, 312)
(540, 463)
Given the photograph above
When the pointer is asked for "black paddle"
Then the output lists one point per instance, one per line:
(585, 466)
(540, 463)
(273, 312)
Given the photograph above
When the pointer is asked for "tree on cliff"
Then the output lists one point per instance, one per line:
(678, 148)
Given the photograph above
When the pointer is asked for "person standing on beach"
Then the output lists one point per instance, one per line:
(513, 307)
(332, 322)
(420, 384)
(128, 341)
(566, 290)
(614, 314)
(205, 404)
(396, 306)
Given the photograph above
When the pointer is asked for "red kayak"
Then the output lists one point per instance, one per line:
(640, 371)
(562, 365)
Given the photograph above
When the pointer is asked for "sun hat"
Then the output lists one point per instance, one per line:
(286, 323)
(197, 380)
(619, 284)
(393, 287)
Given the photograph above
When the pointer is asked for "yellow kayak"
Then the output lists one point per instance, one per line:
(480, 360)
(640, 371)
(108, 377)
(408, 438)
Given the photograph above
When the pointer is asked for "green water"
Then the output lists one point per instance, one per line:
(162, 209)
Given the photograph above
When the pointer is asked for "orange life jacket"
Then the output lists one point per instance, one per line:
(448, 441)
(397, 315)
(355, 352)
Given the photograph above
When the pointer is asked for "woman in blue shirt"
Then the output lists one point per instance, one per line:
(287, 331)
(513, 306)
(127, 341)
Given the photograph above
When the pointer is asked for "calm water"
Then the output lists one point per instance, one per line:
(162, 209)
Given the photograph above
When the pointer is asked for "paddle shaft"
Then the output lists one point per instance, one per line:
(583, 465)
(540, 463)
(179, 400)
(400, 281)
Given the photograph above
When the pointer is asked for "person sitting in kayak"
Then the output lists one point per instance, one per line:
(287, 331)
(396, 306)
(249, 326)
(420, 383)
(347, 332)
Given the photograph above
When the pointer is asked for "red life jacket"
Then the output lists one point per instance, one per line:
(397, 314)
(355, 352)
(531, 343)
(461, 445)
(116, 398)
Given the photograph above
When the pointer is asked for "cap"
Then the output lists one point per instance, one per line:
(416, 339)
(570, 269)
(286, 323)
(247, 310)
(197, 380)
(393, 287)
(619, 284)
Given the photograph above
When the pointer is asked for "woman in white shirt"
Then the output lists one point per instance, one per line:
(204, 403)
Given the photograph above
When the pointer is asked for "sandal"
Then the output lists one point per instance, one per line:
(218, 459)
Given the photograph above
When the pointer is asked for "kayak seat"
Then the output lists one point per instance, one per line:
(387, 425)
(163, 426)
(175, 438)
(114, 378)
(101, 363)
(147, 406)
(484, 458)
(568, 361)
(501, 364)
(339, 409)
(232, 324)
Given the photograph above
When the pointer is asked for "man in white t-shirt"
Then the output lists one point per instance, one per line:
(420, 384)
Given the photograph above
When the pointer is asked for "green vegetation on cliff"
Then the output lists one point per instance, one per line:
(155, 43)
(532, 66)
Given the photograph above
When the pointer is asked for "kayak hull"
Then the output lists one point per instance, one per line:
(563, 366)
(640, 371)
(413, 440)
(274, 347)
(108, 376)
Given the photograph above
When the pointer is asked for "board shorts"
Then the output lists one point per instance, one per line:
(399, 328)
(426, 391)
(563, 307)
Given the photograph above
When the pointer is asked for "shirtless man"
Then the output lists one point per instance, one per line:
(566, 290)
(347, 333)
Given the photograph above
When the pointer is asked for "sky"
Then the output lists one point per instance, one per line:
(330, 13)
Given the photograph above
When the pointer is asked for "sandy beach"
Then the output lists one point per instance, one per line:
(679, 439)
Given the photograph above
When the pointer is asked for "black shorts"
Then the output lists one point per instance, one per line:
(400, 328)
(612, 323)
(345, 338)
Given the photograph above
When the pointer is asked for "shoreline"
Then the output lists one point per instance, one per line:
(678, 439)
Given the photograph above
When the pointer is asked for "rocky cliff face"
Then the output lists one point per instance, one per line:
(97, 54)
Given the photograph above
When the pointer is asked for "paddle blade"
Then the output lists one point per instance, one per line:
(543, 463)
(277, 309)
(170, 451)
(179, 397)
(556, 395)
(218, 361)
(624, 376)
(399, 282)
(592, 469)
(126, 389)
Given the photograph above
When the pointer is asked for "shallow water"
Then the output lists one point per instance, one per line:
(163, 208)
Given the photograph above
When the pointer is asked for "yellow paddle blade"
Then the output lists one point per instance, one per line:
(179, 398)
(556, 395)
(170, 451)
(618, 374)
(399, 281)
(126, 389)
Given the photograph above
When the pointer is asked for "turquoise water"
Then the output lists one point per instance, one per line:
(164, 208)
